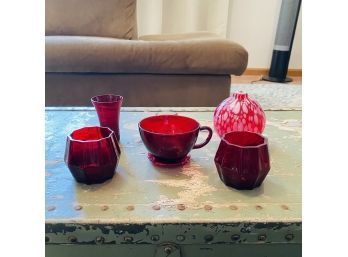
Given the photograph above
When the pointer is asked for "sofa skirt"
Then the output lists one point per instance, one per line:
(138, 90)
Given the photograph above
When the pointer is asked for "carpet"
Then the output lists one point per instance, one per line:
(273, 96)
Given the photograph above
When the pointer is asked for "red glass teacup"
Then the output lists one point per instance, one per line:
(242, 159)
(92, 154)
(171, 137)
(108, 108)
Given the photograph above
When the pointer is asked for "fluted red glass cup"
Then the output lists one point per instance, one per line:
(92, 154)
(242, 159)
(108, 108)
(171, 137)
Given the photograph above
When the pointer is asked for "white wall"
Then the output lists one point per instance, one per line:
(149, 15)
(180, 16)
(252, 23)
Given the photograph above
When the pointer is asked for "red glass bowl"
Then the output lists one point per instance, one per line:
(242, 159)
(92, 154)
(171, 137)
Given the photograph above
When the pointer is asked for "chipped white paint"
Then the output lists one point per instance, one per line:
(131, 126)
(58, 197)
(52, 162)
(288, 125)
(195, 186)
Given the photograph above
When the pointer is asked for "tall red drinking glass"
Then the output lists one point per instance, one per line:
(92, 154)
(108, 109)
(242, 159)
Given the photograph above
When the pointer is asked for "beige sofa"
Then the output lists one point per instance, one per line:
(92, 48)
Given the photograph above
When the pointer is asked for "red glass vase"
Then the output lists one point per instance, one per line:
(92, 154)
(239, 113)
(108, 108)
(242, 159)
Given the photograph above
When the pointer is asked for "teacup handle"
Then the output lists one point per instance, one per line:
(196, 146)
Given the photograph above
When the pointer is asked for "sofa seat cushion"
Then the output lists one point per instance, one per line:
(208, 55)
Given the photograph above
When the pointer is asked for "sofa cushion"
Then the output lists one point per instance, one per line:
(104, 18)
(208, 55)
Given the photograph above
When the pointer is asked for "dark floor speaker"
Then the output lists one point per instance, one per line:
(286, 28)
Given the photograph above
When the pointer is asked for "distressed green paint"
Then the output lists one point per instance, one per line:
(140, 184)
(145, 198)
(183, 234)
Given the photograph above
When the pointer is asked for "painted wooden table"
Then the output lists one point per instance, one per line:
(186, 211)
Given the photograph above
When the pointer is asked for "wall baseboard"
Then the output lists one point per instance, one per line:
(263, 71)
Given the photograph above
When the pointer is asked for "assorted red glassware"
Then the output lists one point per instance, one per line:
(242, 159)
(169, 138)
(239, 113)
(108, 108)
(92, 154)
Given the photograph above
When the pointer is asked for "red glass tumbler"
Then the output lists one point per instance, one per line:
(242, 159)
(92, 154)
(108, 109)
